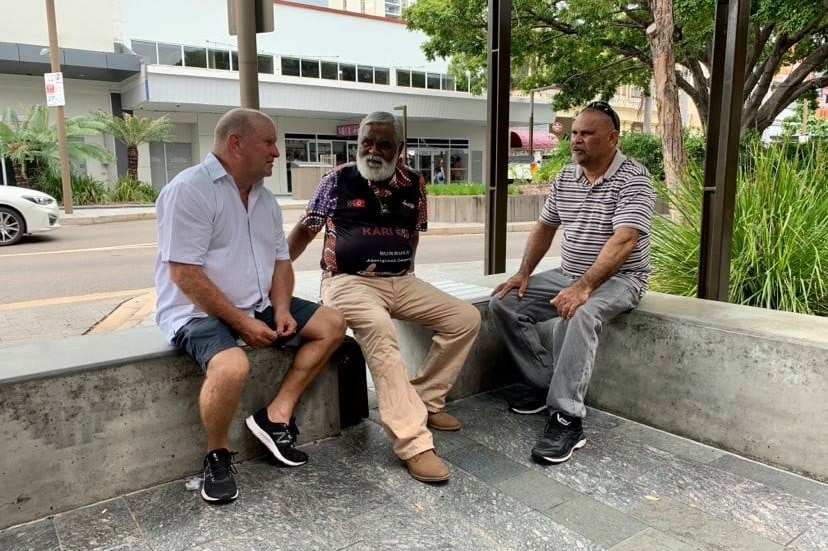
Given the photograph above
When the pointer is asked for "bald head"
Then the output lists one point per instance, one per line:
(240, 121)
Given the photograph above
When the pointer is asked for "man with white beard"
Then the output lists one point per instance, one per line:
(373, 212)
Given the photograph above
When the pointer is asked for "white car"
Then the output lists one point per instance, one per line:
(24, 211)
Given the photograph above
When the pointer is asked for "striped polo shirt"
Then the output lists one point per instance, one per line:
(590, 213)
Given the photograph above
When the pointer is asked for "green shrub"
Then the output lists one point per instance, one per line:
(553, 164)
(463, 189)
(128, 190)
(779, 245)
(646, 149)
(85, 189)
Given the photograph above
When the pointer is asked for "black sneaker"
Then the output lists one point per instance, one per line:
(279, 438)
(563, 434)
(533, 401)
(219, 483)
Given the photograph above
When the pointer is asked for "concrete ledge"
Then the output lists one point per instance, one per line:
(747, 380)
(458, 209)
(88, 418)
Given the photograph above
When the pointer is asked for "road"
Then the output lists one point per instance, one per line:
(77, 261)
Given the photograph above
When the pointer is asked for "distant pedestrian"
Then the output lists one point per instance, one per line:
(604, 201)
(224, 272)
(373, 212)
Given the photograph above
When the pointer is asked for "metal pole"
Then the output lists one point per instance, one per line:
(63, 151)
(404, 109)
(248, 61)
(722, 157)
(531, 125)
(497, 141)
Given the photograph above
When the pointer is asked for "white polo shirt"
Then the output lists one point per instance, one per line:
(202, 221)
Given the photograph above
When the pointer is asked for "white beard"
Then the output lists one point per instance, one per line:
(373, 172)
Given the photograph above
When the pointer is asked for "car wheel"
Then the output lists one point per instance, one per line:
(12, 226)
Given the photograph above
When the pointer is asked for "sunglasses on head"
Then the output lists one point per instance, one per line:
(606, 109)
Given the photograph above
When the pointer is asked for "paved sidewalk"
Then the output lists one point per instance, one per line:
(631, 488)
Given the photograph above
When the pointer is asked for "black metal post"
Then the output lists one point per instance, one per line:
(497, 141)
(722, 156)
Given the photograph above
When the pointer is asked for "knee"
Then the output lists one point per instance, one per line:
(230, 367)
(470, 319)
(334, 324)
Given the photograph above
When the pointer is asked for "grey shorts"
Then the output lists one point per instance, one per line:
(203, 338)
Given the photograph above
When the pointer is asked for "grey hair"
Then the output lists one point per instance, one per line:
(384, 117)
(236, 121)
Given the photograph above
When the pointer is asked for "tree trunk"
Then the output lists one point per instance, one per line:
(20, 178)
(660, 34)
(132, 162)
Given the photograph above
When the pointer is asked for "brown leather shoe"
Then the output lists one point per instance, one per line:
(443, 421)
(427, 467)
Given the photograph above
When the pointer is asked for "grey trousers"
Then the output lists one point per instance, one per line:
(566, 370)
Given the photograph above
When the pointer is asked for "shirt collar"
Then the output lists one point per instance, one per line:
(216, 170)
(616, 163)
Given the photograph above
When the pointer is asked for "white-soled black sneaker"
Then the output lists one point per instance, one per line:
(219, 483)
(278, 438)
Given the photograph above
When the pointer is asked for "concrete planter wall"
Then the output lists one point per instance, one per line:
(472, 208)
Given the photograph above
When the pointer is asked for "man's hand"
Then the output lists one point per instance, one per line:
(569, 299)
(257, 334)
(285, 324)
(517, 281)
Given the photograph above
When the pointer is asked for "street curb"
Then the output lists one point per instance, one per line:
(74, 220)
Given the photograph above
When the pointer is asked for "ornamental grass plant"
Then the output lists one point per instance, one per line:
(779, 251)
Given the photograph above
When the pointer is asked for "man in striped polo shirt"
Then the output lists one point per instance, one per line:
(604, 201)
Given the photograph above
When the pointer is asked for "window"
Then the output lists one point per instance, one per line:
(393, 8)
(433, 81)
(403, 78)
(448, 83)
(310, 68)
(218, 59)
(234, 56)
(347, 72)
(291, 66)
(330, 70)
(265, 63)
(169, 54)
(146, 50)
(365, 73)
(380, 75)
(195, 57)
(417, 79)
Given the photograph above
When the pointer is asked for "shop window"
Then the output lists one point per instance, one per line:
(380, 75)
(310, 68)
(146, 50)
(418, 80)
(195, 57)
(365, 73)
(290, 66)
(433, 81)
(265, 63)
(218, 59)
(330, 70)
(347, 72)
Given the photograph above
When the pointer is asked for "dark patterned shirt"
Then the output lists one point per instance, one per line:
(590, 213)
(369, 226)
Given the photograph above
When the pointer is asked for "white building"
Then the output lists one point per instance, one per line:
(320, 72)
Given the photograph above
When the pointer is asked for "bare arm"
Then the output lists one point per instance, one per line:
(281, 292)
(299, 239)
(536, 247)
(613, 254)
(195, 284)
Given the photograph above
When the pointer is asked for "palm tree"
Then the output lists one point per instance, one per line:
(134, 131)
(34, 140)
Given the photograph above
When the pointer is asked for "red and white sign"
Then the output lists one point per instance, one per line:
(347, 130)
(54, 89)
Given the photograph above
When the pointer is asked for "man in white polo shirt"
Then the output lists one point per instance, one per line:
(604, 201)
(224, 273)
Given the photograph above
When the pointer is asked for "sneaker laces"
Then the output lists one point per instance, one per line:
(293, 429)
(553, 431)
(222, 466)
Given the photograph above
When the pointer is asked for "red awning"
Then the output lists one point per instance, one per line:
(519, 139)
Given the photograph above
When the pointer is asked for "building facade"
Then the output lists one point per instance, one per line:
(320, 72)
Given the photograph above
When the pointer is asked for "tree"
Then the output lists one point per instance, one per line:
(134, 131)
(33, 141)
(591, 47)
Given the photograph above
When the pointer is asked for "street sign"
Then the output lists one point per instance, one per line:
(54, 89)
(264, 15)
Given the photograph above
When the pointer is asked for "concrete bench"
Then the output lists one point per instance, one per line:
(88, 418)
(747, 380)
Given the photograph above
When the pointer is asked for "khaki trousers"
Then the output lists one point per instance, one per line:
(369, 304)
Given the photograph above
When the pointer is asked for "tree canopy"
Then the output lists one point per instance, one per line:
(591, 47)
